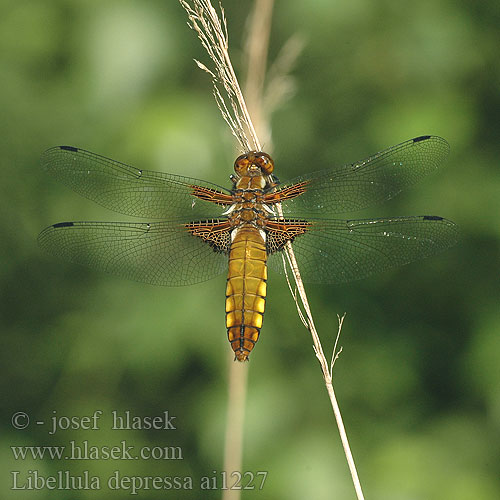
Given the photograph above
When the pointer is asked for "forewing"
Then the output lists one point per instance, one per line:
(160, 253)
(128, 190)
(366, 182)
(337, 251)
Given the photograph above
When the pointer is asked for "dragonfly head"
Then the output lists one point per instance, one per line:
(253, 164)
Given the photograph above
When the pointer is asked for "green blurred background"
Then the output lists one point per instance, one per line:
(419, 377)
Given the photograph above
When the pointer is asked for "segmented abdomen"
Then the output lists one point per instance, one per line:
(246, 290)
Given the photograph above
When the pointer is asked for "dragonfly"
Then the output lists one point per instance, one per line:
(198, 230)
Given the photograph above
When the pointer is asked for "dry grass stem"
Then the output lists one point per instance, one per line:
(293, 291)
(281, 85)
(335, 353)
(267, 88)
(233, 448)
(326, 369)
(256, 50)
(212, 32)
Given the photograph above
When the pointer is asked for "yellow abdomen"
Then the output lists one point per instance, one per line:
(246, 290)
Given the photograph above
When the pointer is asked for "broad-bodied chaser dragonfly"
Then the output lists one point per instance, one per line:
(205, 229)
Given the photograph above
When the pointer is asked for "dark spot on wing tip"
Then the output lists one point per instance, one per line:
(432, 217)
(421, 138)
(69, 148)
(64, 224)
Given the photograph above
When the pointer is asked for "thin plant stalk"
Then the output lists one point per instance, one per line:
(256, 59)
(327, 369)
(233, 447)
(256, 51)
(213, 35)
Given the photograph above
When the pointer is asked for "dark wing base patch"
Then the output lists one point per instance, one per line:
(215, 233)
(280, 232)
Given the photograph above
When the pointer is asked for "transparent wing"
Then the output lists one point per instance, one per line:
(337, 251)
(126, 189)
(160, 253)
(367, 182)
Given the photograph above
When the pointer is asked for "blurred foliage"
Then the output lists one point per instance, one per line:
(418, 379)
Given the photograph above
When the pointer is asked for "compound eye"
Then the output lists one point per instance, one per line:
(241, 164)
(265, 162)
